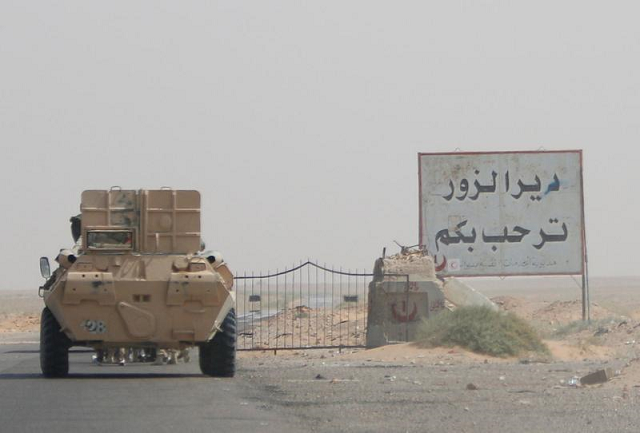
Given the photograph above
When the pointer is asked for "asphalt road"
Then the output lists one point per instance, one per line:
(319, 391)
(133, 398)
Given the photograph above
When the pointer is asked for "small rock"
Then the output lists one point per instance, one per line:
(625, 392)
(600, 331)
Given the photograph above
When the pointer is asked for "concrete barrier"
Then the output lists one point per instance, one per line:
(461, 294)
(404, 291)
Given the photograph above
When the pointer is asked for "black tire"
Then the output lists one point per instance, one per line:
(54, 347)
(218, 356)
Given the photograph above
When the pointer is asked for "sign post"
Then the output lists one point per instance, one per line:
(504, 214)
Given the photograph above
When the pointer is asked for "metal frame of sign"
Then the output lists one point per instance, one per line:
(584, 272)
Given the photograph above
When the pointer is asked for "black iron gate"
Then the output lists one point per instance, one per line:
(305, 306)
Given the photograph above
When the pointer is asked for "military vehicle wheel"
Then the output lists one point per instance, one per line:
(54, 347)
(218, 356)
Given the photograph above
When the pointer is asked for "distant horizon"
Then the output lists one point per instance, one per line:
(470, 280)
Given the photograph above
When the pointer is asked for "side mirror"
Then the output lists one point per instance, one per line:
(45, 269)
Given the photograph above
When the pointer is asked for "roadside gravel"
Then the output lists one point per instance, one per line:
(333, 394)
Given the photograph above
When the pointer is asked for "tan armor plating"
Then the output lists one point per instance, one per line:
(139, 277)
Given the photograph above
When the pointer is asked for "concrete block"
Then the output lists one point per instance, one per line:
(404, 291)
(600, 376)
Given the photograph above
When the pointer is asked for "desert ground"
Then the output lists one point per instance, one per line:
(406, 388)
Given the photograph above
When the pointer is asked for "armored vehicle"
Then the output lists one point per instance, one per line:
(137, 281)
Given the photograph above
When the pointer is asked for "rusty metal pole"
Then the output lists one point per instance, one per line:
(586, 296)
(586, 314)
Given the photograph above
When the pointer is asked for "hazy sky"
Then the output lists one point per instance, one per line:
(300, 122)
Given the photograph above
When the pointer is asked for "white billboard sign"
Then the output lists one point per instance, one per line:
(503, 213)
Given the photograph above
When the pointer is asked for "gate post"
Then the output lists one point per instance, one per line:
(403, 292)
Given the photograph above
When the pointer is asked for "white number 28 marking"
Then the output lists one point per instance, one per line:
(94, 326)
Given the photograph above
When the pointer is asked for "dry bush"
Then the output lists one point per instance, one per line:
(481, 330)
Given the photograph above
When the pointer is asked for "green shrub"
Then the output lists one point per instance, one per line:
(571, 328)
(578, 326)
(481, 330)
